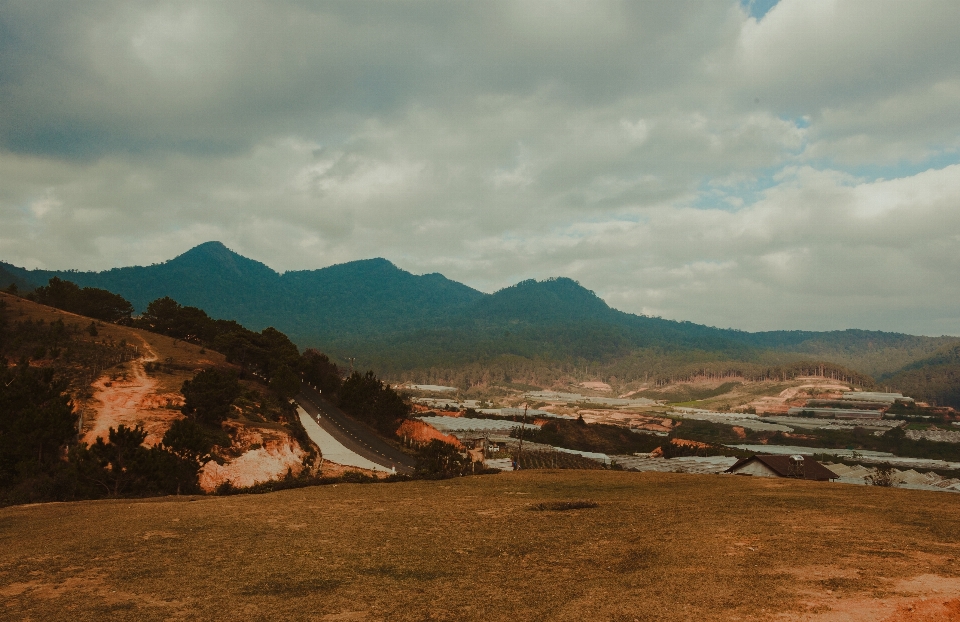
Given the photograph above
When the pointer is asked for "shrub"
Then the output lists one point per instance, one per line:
(210, 395)
(367, 399)
(562, 506)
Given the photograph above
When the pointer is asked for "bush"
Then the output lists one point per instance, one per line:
(439, 458)
(210, 395)
(365, 398)
(562, 506)
(882, 476)
(122, 466)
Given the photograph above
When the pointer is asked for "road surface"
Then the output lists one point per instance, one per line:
(352, 435)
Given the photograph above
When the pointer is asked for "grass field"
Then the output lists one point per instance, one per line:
(655, 547)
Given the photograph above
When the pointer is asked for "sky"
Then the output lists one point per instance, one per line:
(750, 164)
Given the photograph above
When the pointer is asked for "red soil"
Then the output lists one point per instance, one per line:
(267, 455)
(422, 433)
(682, 442)
(131, 402)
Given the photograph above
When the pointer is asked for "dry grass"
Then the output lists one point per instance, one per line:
(184, 358)
(657, 547)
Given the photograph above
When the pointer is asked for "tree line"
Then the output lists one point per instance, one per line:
(41, 457)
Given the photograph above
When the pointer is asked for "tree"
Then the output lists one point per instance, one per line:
(210, 395)
(113, 464)
(285, 382)
(439, 458)
(37, 421)
(320, 371)
(188, 440)
(882, 476)
(89, 301)
(367, 399)
(122, 465)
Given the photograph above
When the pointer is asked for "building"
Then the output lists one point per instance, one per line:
(834, 413)
(796, 467)
(874, 396)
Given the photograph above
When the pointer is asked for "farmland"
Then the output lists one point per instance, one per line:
(657, 546)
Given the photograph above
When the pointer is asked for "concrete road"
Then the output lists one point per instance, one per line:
(351, 434)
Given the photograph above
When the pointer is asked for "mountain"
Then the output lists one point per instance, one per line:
(357, 298)
(405, 324)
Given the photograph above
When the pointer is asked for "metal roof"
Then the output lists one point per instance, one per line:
(783, 466)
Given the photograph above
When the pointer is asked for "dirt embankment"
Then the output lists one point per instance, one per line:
(263, 460)
(129, 397)
(420, 432)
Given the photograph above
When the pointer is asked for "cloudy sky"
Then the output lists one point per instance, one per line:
(753, 164)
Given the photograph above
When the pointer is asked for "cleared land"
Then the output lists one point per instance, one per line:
(658, 546)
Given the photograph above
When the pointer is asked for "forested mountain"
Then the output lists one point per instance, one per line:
(431, 327)
(356, 298)
(935, 379)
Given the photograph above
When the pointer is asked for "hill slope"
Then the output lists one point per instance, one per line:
(710, 548)
(401, 323)
(935, 379)
(359, 297)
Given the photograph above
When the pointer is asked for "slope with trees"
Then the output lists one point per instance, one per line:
(41, 455)
(405, 325)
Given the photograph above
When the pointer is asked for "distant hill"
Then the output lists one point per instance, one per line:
(425, 326)
(935, 379)
(8, 278)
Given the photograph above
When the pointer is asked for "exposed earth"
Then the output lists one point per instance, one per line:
(145, 390)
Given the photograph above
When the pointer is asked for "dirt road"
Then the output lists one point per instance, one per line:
(131, 400)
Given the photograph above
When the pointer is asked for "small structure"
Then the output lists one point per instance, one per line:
(875, 396)
(795, 467)
(834, 413)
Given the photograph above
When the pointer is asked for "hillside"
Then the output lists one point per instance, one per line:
(114, 376)
(657, 546)
(431, 328)
(935, 379)
(357, 298)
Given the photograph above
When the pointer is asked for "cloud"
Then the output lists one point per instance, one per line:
(735, 164)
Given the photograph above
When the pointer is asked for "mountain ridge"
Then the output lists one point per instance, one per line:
(394, 320)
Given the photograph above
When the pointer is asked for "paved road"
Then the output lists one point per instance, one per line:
(351, 434)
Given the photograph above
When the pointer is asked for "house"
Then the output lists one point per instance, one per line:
(797, 467)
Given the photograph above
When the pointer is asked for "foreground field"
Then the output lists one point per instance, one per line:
(656, 547)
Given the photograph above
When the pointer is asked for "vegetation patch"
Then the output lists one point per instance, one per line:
(563, 506)
(592, 437)
(689, 392)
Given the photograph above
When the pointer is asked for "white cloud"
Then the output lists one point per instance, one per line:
(681, 159)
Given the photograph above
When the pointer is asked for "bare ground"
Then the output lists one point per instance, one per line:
(129, 400)
(127, 394)
(658, 546)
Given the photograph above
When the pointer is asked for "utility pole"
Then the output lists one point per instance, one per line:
(522, 426)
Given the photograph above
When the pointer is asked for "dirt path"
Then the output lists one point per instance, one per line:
(132, 400)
